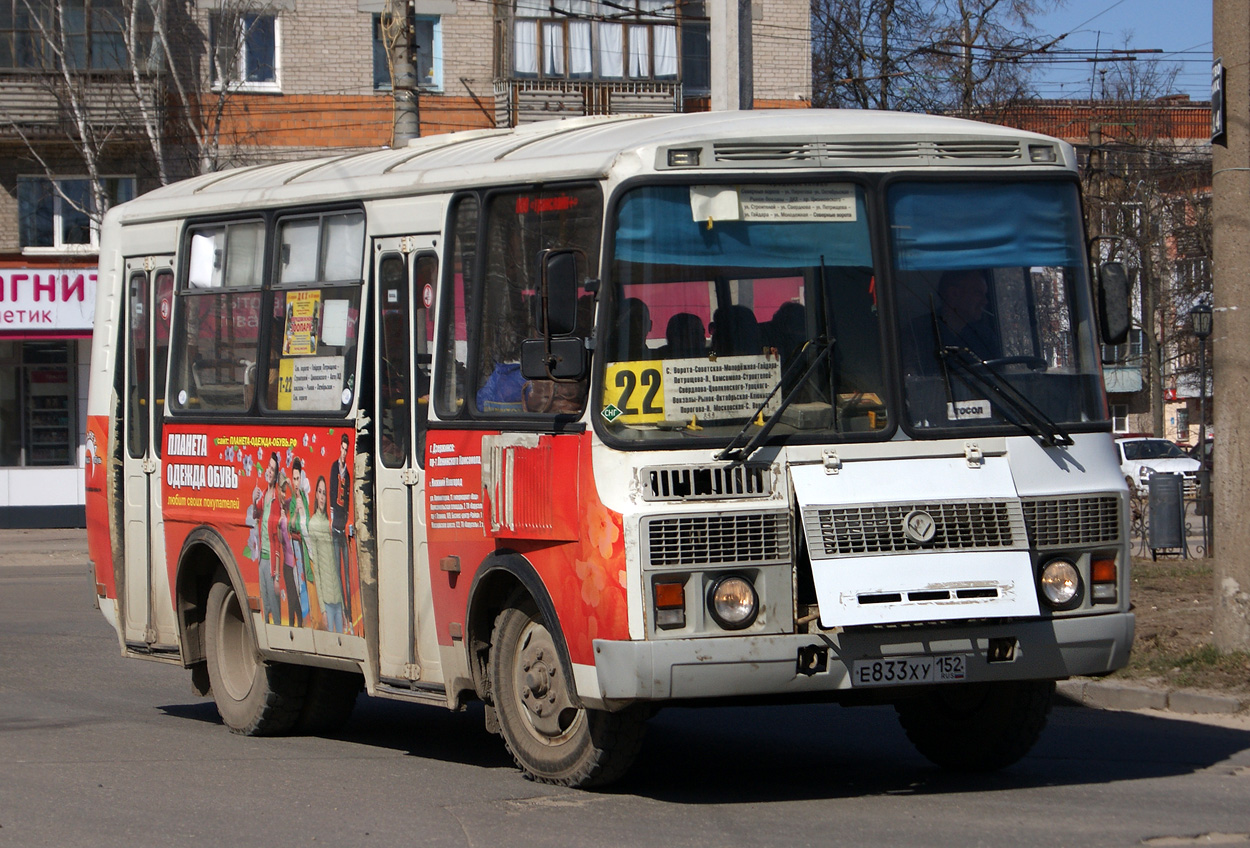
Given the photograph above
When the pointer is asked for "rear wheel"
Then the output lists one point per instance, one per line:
(977, 726)
(254, 698)
(330, 700)
(552, 739)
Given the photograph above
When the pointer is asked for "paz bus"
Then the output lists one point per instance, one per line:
(590, 416)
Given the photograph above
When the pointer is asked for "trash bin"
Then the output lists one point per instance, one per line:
(1166, 512)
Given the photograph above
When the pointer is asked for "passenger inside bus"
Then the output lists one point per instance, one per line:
(632, 328)
(686, 338)
(736, 332)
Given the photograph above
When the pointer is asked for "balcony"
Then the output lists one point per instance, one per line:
(37, 105)
(1123, 377)
(523, 101)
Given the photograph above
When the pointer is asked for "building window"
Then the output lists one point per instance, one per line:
(426, 48)
(61, 214)
(604, 39)
(1128, 352)
(246, 51)
(1182, 424)
(1119, 417)
(85, 35)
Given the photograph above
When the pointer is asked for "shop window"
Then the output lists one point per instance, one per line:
(312, 348)
(246, 50)
(425, 47)
(61, 214)
(38, 424)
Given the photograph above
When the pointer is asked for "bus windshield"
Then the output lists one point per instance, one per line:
(725, 297)
(730, 303)
(993, 305)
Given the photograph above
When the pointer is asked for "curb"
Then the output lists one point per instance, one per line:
(1114, 695)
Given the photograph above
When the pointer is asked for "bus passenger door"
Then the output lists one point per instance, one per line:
(148, 605)
(406, 273)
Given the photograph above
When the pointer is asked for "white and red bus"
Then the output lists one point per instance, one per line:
(592, 415)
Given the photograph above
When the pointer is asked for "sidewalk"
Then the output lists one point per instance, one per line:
(69, 547)
(43, 547)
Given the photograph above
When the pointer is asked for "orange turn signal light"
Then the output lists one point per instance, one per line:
(670, 595)
(1102, 571)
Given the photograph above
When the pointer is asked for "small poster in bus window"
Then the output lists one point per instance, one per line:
(651, 391)
(303, 308)
(310, 383)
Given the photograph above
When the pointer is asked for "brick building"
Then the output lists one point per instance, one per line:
(98, 105)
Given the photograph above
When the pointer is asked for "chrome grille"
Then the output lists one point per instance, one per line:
(735, 538)
(661, 483)
(1063, 522)
(879, 528)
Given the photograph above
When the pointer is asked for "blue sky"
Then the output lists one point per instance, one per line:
(1180, 28)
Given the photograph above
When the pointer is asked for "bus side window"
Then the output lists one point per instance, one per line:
(393, 390)
(219, 320)
(423, 326)
(457, 291)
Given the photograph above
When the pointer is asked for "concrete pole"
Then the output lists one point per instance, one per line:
(1230, 336)
(733, 83)
(397, 34)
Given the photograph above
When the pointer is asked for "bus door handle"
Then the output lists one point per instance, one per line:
(149, 465)
(410, 477)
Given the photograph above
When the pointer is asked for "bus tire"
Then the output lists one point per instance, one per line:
(977, 727)
(254, 698)
(329, 701)
(552, 739)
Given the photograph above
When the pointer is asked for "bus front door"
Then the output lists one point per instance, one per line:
(147, 607)
(406, 274)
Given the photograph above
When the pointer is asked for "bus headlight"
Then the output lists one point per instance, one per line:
(733, 602)
(1061, 584)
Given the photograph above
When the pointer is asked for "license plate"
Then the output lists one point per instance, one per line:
(902, 671)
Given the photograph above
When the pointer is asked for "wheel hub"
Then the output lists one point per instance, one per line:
(541, 687)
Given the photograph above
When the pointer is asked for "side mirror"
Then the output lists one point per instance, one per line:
(561, 281)
(563, 359)
(1114, 303)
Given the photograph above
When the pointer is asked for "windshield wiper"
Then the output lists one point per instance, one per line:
(742, 454)
(979, 375)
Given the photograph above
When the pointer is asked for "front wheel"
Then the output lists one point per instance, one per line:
(551, 738)
(977, 727)
(254, 698)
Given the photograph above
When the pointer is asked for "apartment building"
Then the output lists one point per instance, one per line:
(101, 100)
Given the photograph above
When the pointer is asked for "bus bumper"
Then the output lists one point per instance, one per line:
(819, 662)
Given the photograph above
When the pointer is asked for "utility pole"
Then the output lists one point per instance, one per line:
(733, 69)
(397, 36)
(1230, 337)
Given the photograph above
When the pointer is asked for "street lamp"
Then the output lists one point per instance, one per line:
(1200, 325)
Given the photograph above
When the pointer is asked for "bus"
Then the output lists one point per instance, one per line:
(591, 416)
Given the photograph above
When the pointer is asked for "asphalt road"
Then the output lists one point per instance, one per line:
(97, 750)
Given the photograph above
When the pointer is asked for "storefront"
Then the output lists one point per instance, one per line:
(46, 314)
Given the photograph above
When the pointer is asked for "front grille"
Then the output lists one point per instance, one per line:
(879, 529)
(741, 538)
(679, 483)
(1066, 522)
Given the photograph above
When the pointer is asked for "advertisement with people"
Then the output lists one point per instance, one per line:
(282, 498)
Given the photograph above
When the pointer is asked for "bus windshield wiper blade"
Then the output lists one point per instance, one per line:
(741, 455)
(1018, 409)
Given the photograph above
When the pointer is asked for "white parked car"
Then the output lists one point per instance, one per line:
(1141, 457)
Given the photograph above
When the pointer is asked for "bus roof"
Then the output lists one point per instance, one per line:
(592, 147)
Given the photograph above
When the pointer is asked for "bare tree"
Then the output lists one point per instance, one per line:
(1151, 200)
(960, 56)
(138, 81)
